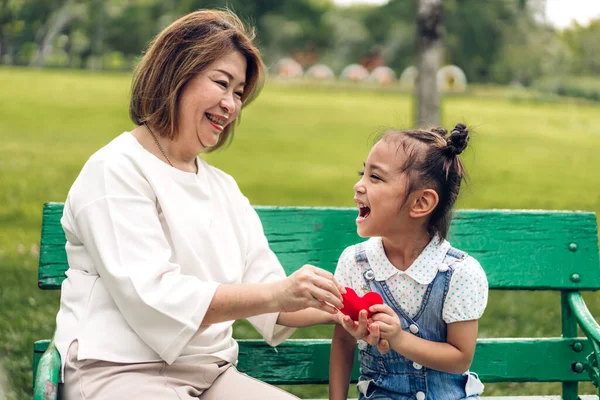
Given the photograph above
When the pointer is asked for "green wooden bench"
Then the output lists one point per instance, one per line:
(519, 250)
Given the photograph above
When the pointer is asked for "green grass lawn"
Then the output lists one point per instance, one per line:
(297, 145)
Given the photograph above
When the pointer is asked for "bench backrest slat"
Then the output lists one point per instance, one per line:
(534, 250)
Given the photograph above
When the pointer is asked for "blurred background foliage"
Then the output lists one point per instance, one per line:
(502, 42)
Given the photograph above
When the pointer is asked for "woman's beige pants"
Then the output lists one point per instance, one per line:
(100, 380)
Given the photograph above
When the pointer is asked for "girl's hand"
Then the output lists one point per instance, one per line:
(374, 339)
(308, 287)
(388, 323)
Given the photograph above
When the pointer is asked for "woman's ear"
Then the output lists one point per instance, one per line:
(424, 203)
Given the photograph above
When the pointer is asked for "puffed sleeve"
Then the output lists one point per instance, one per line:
(344, 267)
(468, 292)
(262, 266)
(116, 219)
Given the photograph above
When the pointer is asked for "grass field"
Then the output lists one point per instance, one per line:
(297, 145)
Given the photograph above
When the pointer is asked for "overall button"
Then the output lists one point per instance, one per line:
(443, 268)
(420, 396)
(370, 275)
(414, 328)
(417, 365)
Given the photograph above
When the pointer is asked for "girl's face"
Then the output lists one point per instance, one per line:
(210, 101)
(381, 191)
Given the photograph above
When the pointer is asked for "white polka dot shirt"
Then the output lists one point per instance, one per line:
(467, 295)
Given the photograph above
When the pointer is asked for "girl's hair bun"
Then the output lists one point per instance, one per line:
(458, 139)
(439, 130)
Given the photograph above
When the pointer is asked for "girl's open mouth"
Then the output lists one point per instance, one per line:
(363, 213)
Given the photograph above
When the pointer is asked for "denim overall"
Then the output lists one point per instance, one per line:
(394, 377)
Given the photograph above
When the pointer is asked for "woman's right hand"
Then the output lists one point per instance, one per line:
(309, 287)
(359, 330)
(365, 329)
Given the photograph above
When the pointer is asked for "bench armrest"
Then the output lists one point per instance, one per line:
(585, 319)
(46, 378)
(591, 329)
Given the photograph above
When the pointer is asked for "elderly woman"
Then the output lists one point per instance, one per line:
(164, 250)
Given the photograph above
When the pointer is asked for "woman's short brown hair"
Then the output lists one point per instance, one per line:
(179, 53)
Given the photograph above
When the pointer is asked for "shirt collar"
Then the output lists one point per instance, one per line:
(423, 269)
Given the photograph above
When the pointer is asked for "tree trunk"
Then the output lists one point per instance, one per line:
(97, 44)
(6, 16)
(1, 44)
(430, 30)
(55, 24)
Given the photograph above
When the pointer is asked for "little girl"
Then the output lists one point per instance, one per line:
(420, 342)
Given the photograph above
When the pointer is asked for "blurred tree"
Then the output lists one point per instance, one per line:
(302, 30)
(350, 39)
(476, 34)
(19, 20)
(129, 30)
(499, 41)
(584, 42)
(58, 20)
(430, 30)
(8, 21)
(283, 26)
(530, 50)
(392, 26)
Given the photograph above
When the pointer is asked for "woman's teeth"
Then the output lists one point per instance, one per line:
(214, 119)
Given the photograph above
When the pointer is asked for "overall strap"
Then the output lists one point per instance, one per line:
(360, 257)
(380, 287)
(435, 294)
(441, 283)
(453, 256)
(360, 253)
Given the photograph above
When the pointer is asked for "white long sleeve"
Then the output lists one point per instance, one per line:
(147, 247)
(259, 254)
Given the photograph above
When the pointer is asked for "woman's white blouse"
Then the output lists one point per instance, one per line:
(147, 246)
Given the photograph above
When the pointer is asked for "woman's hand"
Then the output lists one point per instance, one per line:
(308, 287)
(358, 329)
(364, 329)
(387, 322)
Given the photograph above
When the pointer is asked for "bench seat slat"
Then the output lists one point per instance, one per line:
(303, 361)
(582, 397)
(518, 249)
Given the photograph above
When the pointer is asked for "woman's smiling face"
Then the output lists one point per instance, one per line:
(211, 100)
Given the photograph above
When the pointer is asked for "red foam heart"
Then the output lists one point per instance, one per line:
(354, 304)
